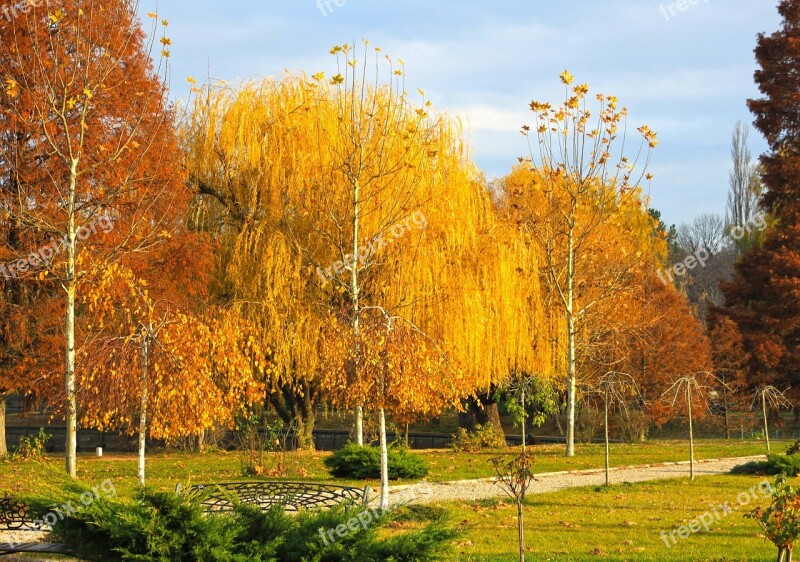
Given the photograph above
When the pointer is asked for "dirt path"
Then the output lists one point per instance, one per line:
(473, 490)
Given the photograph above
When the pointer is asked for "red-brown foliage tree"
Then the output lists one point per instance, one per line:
(764, 297)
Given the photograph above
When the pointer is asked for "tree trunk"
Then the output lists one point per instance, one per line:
(201, 441)
(483, 411)
(766, 425)
(524, 420)
(145, 359)
(71, 443)
(384, 504)
(492, 417)
(557, 421)
(354, 295)
(608, 455)
(727, 412)
(571, 358)
(3, 445)
(521, 530)
(298, 409)
(358, 425)
(691, 432)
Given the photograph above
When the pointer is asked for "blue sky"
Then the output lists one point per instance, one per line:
(686, 73)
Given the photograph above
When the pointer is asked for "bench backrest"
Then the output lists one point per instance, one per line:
(294, 496)
(14, 516)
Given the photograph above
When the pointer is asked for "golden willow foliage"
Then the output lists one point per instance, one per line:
(284, 158)
(199, 372)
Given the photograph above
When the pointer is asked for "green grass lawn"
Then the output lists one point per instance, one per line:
(619, 523)
(165, 470)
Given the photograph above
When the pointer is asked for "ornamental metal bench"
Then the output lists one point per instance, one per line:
(293, 496)
(15, 517)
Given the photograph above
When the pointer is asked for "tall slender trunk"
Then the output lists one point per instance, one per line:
(524, 419)
(3, 445)
(71, 444)
(608, 455)
(521, 530)
(691, 432)
(726, 412)
(764, 411)
(384, 504)
(354, 294)
(145, 366)
(571, 367)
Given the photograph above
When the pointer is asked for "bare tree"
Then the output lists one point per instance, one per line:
(706, 238)
(744, 185)
(770, 397)
(690, 389)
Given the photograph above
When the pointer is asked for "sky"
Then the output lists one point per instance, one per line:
(684, 67)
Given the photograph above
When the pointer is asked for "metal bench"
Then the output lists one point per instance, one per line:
(15, 516)
(293, 496)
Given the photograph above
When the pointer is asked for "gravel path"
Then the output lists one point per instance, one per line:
(473, 490)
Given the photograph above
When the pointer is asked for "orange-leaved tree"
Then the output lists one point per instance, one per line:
(581, 205)
(153, 367)
(89, 157)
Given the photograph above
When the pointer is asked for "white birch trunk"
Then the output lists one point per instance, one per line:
(145, 360)
(71, 444)
(571, 367)
(691, 432)
(384, 504)
(354, 294)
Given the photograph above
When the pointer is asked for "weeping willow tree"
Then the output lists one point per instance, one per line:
(363, 242)
(440, 297)
(249, 151)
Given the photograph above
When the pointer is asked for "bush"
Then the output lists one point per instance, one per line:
(780, 521)
(359, 463)
(788, 465)
(588, 424)
(31, 447)
(635, 426)
(165, 527)
(482, 437)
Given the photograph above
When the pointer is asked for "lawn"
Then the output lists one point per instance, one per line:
(622, 522)
(166, 469)
(619, 523)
